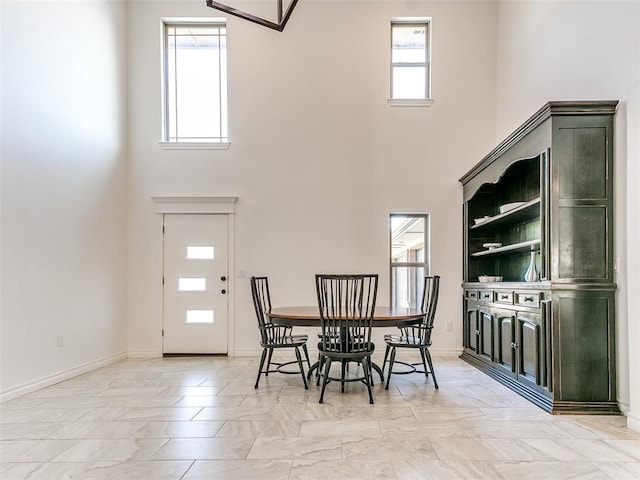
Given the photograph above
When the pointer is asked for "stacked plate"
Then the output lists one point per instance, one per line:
(510, 206)
(489, 278)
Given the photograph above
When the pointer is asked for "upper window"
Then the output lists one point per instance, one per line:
(195, 83)
(409, 258)
(410, 59)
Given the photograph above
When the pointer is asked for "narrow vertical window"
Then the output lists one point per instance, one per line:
(409, 258)
(410, 59)
(195, 83)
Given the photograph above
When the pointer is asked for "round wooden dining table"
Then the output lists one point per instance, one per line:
(309, 316)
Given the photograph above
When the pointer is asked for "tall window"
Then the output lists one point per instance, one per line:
(409, 258)
(195, 82)
(410, 59)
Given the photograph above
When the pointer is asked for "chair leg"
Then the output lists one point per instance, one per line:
(368, 374)
(433, 373)
(424, 363)
(321, 361)
(304, 378)
(326, 377)
(393, 359)
(319, 367)
(266, 373)
(343, 375)
(306, 355)
(264, 355)
(386, 355)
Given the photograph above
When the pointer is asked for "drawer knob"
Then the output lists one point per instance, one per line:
(504, 297)
(528, 299)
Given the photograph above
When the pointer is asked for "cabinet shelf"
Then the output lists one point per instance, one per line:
(529, 210)
(514, 248)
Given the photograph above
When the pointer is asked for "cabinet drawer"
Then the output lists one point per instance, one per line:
(486, 295)
(503, 297)
(471, 294)
(527, 299)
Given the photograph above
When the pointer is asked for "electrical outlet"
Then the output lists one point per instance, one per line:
(449, 326)
(60, 340)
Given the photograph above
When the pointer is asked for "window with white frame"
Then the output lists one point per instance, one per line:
(195, 82)
(409, 234)
(410, 59)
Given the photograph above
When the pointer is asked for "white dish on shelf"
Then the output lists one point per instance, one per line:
(489, 278)
(480, 220)
(510, 206)
(491, 246)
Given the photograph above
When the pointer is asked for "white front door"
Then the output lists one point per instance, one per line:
(195, 283)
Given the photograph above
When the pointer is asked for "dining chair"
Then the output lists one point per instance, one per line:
(346, 304)
(275, 336)
(416, 336)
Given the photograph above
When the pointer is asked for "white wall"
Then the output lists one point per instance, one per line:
(318, 159)
(63, 189)
(585, 50)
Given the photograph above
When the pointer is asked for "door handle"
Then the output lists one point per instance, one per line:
(223, 278)
(223, 291)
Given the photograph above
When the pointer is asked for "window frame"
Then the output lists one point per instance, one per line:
(427, 24)
(165, 143)
(426, 264)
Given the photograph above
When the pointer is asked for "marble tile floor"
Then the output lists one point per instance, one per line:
(201, 418)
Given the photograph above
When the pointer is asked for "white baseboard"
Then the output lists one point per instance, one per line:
(144, 354)
(624, 408)
(14, 392)
(633, 422)
(246, 352)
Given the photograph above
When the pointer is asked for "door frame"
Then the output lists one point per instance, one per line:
(191, 205)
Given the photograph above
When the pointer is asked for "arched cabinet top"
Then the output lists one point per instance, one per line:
(532, 138)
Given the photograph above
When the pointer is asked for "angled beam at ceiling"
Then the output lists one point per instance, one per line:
(283, 17)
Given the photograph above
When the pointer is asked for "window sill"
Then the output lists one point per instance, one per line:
(194, 145)
(410, 102)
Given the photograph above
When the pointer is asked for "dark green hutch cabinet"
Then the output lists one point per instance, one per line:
(544, 196)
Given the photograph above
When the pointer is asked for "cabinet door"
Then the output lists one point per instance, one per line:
(582, 200)
(471, 328)
(529, 348)
(505, 358)
(486, 328)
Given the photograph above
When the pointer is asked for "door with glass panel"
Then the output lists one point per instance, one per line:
(195, 284)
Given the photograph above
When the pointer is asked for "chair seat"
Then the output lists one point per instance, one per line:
(289, 341)
(405, 341)
(354, 349)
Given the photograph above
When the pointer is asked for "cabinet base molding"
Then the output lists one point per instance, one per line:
(543, 401)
